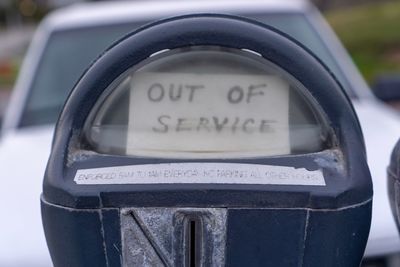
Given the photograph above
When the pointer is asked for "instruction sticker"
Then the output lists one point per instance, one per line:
(201, 113)
(202, 173)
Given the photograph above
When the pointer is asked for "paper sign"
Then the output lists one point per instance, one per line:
(208, 113)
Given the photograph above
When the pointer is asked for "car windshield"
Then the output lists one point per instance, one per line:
(69, 52)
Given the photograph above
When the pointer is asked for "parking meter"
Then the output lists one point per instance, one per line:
(394, 183)
(207, 140)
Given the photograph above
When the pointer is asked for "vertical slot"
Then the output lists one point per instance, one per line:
(192, 243)
(193, 246)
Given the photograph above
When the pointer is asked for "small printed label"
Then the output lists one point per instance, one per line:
(202, 173)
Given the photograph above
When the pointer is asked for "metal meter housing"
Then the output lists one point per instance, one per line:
(237, 224)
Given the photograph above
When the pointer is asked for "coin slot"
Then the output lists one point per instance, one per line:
(193, 242)
(192, 255)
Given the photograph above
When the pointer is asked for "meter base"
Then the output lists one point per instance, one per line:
(244, 236)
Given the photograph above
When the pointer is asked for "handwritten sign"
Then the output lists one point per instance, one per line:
(208, 113)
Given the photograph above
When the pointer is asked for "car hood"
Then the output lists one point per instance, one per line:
(381, 128)
(23, 158)
(24, 154)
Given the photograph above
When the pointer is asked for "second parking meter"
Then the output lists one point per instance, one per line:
(207, 140)
(394, 183)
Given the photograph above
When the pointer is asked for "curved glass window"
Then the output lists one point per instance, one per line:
(206, 102)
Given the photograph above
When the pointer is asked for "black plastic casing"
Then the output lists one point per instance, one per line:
(393, 172)
(267, 225)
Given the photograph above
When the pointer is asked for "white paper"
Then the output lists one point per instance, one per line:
(200, 113)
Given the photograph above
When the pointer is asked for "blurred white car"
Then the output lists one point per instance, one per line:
(69, 39)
